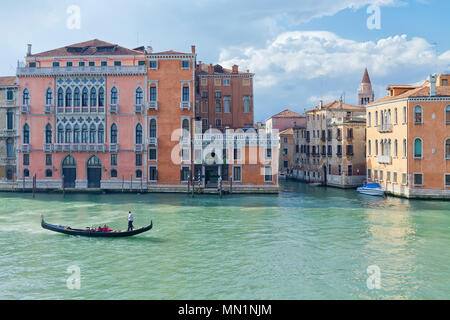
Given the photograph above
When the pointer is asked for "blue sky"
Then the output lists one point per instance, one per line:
(301, 51)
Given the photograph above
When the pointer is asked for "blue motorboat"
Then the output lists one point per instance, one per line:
(371, 189)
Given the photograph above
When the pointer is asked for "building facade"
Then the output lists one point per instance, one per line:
(284, 120)
(96, 115)
(224, 97)
(8, 128)
(334, 145)
(408, 139)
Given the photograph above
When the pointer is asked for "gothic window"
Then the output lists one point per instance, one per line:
(68, 97)
(101, 134)
(84, 134)
(93, 97)
(76, 133)
(60, 136)
(139, 96)
(113, 133)
(138, 134)
(60, 97)
(26, 97)
(48, 133)
(76, 97)
(101, 97)
(26, 134)
(153, 128)
(92, 133)
(85, 97)
(114, 96)
(49, 97)
(68, 134)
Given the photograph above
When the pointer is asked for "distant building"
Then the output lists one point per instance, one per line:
(284, 120)
(365, 92)
(408, 139)
(334, 145)
(8, 128)
(289, 154)
(224, 97)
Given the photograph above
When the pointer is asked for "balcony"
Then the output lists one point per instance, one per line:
(152, 141)
(113, 147)
(185, 105)
(385, 128)
(185, 140)
(114, 108)
(23, 71)
(153, 105)
(25, 148)
(139, 108)
(385, 159)
(48, 147)
(339, 154)
(8, 133)
(138, 148)
(339, 138)
(78, 147)
(24, 109)
(48, 109)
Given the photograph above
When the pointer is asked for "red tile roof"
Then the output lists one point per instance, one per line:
(89, 48)
(288, 114)
(422, 91)
(288, 131)
(7, 81)
(335, 105)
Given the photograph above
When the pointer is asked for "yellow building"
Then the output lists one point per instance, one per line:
(408, 139)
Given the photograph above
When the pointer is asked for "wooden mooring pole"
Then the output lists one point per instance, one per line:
(34, 186)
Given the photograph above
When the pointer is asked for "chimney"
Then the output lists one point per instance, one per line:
(193, 49)
(340, 103)
(210, 69)
(29, 50)
(321, 104)
(433, 80)
(235, 69)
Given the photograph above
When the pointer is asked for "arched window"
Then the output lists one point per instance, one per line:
(94, 162)
(447, 115)
(68, 97)
(48, 134)
(114, 96)
(447, 149)
(139, 96)
(26, 134)
(405, 148)
(76, 97)
(49, 97)
(101, 97)
(84, 97)
(60, 136)
(26, 97)
(418, 148)
(153, 128)
(60, 97)
(418, 114)
(376, 147)
(93, 97)
(139, 134)
(69, 161)
(185, 127)
(113, 133)
(84, 134)
(101, 134)
(68, 134)
(395, 148)
(76, 133)
(92, 133)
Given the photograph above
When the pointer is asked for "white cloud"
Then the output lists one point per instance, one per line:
(308, 55)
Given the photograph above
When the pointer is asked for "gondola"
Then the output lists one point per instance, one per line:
(91, 233)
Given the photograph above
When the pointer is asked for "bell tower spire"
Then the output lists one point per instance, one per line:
(365, 92)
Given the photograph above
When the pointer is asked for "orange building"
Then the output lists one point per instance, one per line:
(408, 139)
(96, 115)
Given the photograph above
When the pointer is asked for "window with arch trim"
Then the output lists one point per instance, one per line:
(447, 114)
(447, 149)
(60, 135)
(48, 134)
(49, 97)
(114, 96)
(139, 97)
(418, 147)
(101, 97)
(93, 97)
(92, 133)
(418, 116)
(138, 134)
(26, 134)
(114, 133)
(85, 97)
(153, 128)
(26, 97)
(76, 97)
(60, 97)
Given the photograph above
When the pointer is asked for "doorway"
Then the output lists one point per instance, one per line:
(69, 171)
(94, 172)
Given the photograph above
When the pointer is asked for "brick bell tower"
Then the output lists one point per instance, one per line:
(365, 92)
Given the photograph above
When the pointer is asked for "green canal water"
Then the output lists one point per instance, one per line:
(305, 243)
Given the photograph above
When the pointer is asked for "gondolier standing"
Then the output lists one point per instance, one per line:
(130, 221)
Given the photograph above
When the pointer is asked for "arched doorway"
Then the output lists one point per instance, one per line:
(69, 171)
(94, 172)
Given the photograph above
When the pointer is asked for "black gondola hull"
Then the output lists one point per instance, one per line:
(94, 234)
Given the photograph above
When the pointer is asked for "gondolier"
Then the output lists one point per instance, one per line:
(130, 221)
